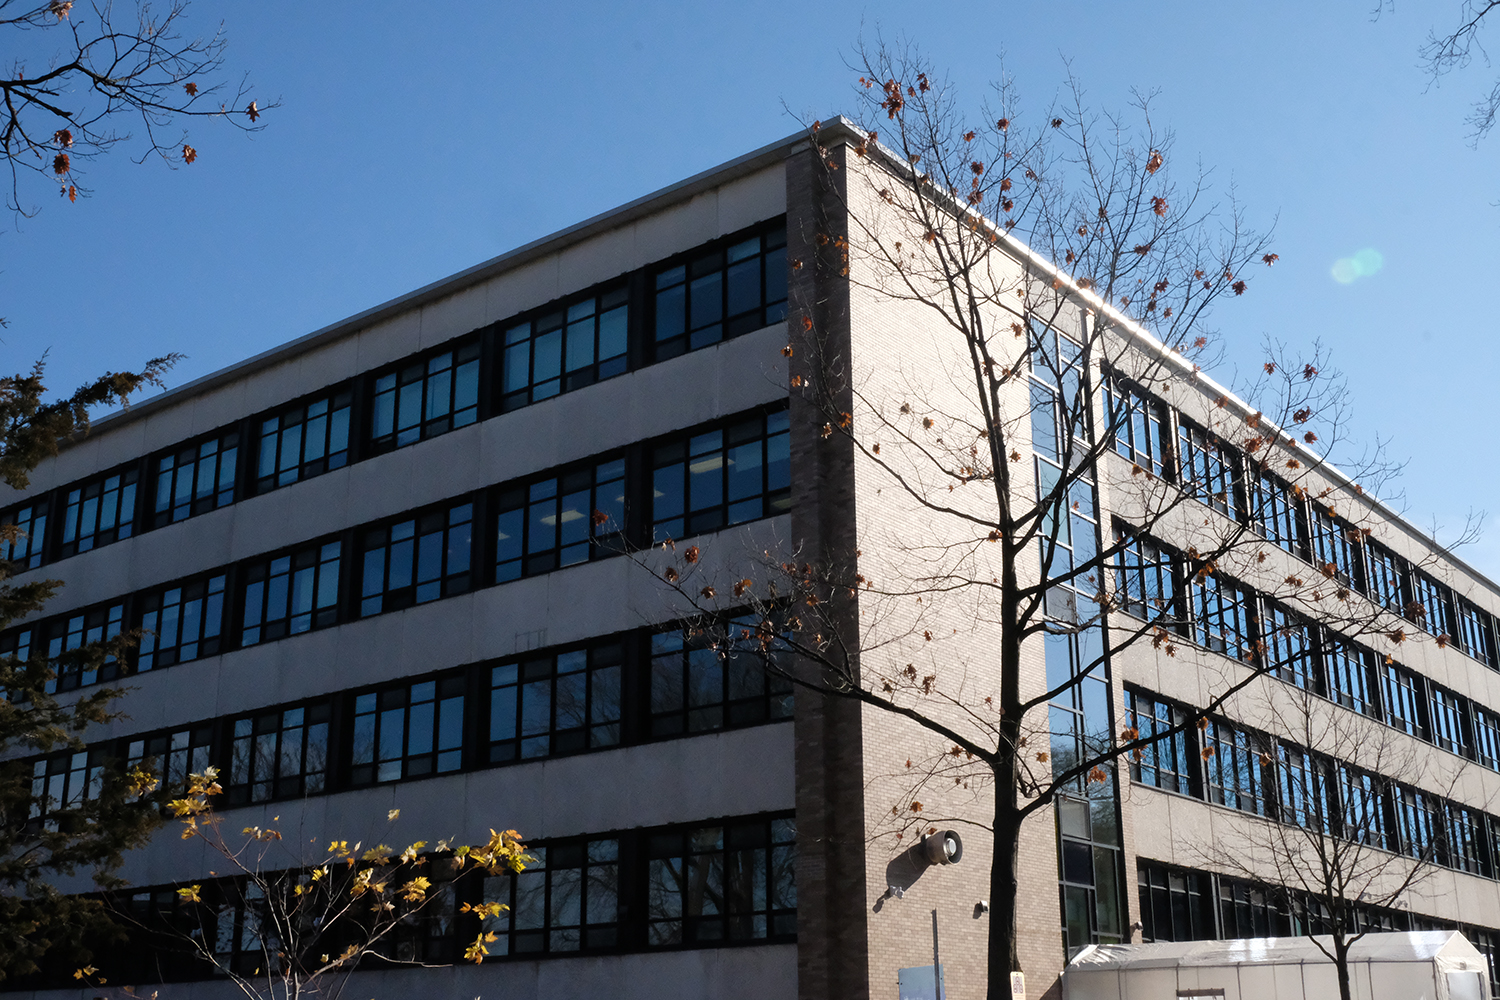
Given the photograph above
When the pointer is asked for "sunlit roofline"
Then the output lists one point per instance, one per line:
(837, 128)
(1145, 338)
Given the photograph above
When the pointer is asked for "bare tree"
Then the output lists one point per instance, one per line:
(1025, 522)
(78, 72)
(1457, 49)
(1359, 817)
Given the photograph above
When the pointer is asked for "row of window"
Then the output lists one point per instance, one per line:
(726, 288)
(733, 471)
(1243, 769)
(704, 885)
(1157, 584)
(1180, 904)
(631, 688)
(1221, 476)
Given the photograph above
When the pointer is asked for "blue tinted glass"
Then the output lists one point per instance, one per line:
(667, 500)
(548, 362)
(612, 326)
(508, 536)
(707, 300)
(671, 308)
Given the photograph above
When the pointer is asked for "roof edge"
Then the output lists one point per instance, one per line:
(682, 190)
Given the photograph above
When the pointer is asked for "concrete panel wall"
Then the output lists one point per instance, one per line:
(749, 973)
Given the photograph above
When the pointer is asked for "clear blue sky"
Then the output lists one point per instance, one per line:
(416, 140)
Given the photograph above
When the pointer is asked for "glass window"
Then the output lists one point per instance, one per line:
(1175, 905)
(1488, 943)
(64, 781)
(182, 622)
(195, 479)
(560, 520)
(1466, 847)
(1362, 806)
(99, 511)
(1433, 604)
(1139, 423)
(291, 593)
(1487, 738)
(25, 534)
(1347, 669)
(1305, 786)
(75, 660)
(1091, 890)
(556, 703)
(1210, 471)
(567, 899)
(1419, 822)
(1335, 547)
(17, 643)
(708, 682)
(1145, 585)
(173, 755)
(1238, 765)
(425, 398)
(1276, 513)
(303, 441)
(1448, 721)
(1403, 692)
(1252, 911)
(1163, 764)
(722, 883)
(703, 482)
(408, 731)
(721, 293)
(417, 560)
(427, 929)
(564, 349)
(1476, 631)
(279, 753)
(1221, 614)
(1386, 572)
(1289, 647)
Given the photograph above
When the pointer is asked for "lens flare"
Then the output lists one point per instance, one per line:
(1347, 270)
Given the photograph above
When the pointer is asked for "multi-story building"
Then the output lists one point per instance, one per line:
(380, 568)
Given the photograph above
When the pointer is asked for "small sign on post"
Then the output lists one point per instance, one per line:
(1018, 986)
(920, 983)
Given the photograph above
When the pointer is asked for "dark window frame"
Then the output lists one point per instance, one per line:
(99, 510)
(423, 381)
(416, 557)
(202, 609)
(707, 314)
(520, 510)
(379, 755)
(682, 466)
(278, 576)
(286, 435)
(697, 686)
(218, 454)
(671, 924)
(1168, 763)
(556, 702)
(1141, 425)
(29, 550)
(270, 750)
(545, 341)
(1210, 469)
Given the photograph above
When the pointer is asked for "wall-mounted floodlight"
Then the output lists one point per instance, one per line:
(942, 848)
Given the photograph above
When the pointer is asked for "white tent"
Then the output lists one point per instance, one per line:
(1430, 965)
